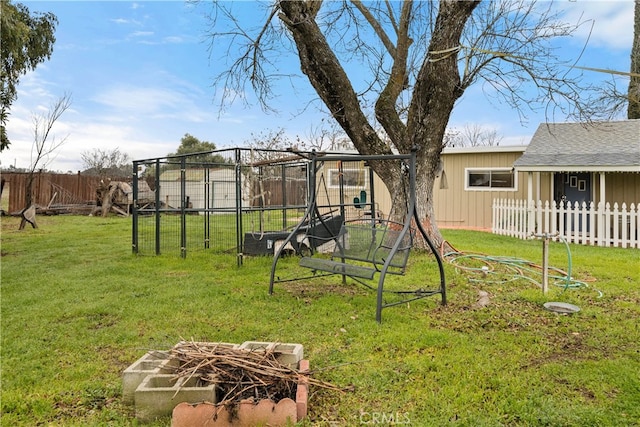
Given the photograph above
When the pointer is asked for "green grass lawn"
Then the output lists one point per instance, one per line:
(77, 308)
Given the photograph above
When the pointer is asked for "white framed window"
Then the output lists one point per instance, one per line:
(490, 179)
(351, 178)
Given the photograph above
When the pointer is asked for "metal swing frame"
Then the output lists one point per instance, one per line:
(312, 212)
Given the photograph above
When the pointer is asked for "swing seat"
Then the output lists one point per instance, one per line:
(367, 247)
(335, 267)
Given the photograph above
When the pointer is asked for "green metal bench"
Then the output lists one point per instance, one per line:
(369, 247)
(362, 248)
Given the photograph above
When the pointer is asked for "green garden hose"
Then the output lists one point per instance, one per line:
(508, 269)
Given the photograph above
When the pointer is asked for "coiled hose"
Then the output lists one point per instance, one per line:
(505, 269)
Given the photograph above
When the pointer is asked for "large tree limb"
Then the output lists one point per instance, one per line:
(438, 83)
(386, 104)
(320, 64)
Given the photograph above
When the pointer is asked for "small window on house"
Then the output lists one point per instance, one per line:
(351, 178)
(490, 179)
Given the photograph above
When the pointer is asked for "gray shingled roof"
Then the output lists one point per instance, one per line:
(604, 146)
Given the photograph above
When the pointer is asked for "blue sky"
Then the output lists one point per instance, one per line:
(140, 75)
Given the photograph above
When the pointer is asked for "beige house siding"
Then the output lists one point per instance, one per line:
(620, 188)
(458, 206)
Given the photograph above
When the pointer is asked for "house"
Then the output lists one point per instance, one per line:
(583, 183)
(579, 182)
(575, 162)
(215, 187)
(576, 181)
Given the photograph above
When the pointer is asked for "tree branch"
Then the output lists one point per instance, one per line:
(320, 64)
(386, 104)
(43, 146)
(377, 28)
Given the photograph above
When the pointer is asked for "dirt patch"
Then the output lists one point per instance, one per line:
(302, 289)
(566, 347)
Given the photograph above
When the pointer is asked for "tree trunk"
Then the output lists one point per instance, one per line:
(436, 90)
(28, 215)
(633, 109)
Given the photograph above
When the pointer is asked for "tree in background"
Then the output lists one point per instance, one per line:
(200, 151)
(472, 135)
(408, 63)
(328, 136)
(274, 139)
(106, 162)
(43, 150)
(27, 40)
(633, 109)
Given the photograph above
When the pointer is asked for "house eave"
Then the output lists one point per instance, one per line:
(567, 168)
(485, 149)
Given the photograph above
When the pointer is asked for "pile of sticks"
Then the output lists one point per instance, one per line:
(240, 373)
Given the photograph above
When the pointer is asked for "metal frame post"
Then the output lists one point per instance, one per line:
(134, 225)
(183, 207)
(157, 203)
(239, 230)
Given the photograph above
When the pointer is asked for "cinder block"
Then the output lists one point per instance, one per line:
(206, 345)
(286, 353)
(157, 395)
(169, 366)
(138, 371)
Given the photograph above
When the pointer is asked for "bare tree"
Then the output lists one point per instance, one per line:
(269, 144)
(473, 135)
(43, 150)
(103, 162)
(328, 136)
(408, 63)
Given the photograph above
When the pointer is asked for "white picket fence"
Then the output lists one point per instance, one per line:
(587, 224)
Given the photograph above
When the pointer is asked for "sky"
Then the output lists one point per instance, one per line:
(141, 75)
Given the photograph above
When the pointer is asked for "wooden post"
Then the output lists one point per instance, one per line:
(545, 264)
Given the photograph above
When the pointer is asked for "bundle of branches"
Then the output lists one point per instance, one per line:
(240, 373)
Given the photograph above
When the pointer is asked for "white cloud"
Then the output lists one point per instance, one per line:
(127, 123)
(173, 39)
(142, 33)
(612, 22)
(121, 21)
(153, 103)
(83, 135)
(138, 99)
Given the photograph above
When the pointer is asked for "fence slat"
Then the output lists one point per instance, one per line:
(634, 225)
(624, 225)
(616, 224)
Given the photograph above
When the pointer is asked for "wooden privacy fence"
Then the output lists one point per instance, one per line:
(583, 223)
(51, 188)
